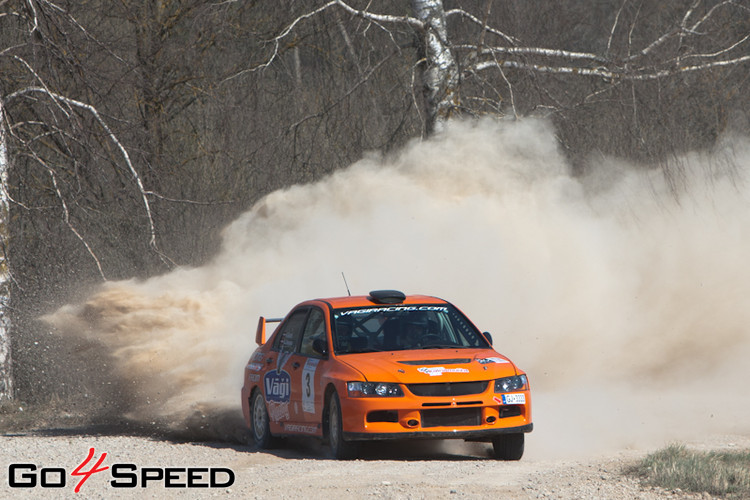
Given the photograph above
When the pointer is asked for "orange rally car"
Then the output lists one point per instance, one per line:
(383, 366)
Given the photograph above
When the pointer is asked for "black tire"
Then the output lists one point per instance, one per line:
(259, 418)
(508, 446)
(340, 448)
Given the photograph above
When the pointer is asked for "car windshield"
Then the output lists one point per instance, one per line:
(402, 327)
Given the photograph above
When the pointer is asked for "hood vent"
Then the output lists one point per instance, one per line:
(432, 362)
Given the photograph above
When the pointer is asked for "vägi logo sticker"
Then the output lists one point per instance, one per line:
(278, 386)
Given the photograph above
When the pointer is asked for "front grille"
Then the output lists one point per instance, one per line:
(448, 388)
(452, 417)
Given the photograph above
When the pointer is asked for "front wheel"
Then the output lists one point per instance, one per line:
(341, 449)
(508, 446)
(261, 430)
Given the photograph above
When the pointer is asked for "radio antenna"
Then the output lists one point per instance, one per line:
(346, 284)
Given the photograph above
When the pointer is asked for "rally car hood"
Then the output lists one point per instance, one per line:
(431, 365)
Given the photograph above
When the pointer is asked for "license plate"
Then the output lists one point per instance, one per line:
(514, 399)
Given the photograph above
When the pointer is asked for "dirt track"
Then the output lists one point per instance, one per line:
(409, 471)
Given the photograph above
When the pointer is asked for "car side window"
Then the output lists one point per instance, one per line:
(315, 328)
(290, 332)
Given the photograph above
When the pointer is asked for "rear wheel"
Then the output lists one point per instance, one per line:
(341, 449)
(508, 446)
(261, 430)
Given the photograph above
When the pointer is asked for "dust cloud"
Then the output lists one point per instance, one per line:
(623, 294)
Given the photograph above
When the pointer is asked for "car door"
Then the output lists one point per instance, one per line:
(311, 394)
(280, 377)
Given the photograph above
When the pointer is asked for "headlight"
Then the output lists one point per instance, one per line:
(509, 384)
(373, 390)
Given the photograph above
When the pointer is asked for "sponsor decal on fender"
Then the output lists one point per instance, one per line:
(278, 412)
(278, 386)
(307, 429)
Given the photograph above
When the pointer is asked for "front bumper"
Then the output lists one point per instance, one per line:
(477, 417)
(468, 435)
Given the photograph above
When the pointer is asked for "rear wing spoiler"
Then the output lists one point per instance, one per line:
(260, 334)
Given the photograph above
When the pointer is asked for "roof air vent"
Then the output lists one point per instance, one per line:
(387, 296)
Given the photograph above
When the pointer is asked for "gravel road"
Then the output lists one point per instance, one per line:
(406, 471)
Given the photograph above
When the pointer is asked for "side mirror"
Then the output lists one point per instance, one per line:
(319, 345)
(488, 337)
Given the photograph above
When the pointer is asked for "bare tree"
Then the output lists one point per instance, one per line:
(117, 153)
(6, 380)
(48, 132)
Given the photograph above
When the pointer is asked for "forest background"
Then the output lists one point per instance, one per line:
(132, 132)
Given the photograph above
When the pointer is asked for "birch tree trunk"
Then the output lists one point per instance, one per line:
(439, 70)
(6, 380)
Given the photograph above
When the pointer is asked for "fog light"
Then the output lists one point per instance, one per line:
(491, 419)
(412, 423)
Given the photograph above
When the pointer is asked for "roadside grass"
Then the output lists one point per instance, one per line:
(719, 473)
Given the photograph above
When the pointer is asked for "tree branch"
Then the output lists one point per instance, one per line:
(682, 29)
(91, 109)
(363, 14)
(482, 25)
(538, 51)
(66, 217)
(607, 73)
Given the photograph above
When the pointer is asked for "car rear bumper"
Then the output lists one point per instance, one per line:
(469, 435)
